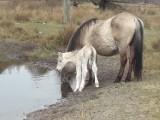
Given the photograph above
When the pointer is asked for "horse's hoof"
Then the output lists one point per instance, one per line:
(117, 81)
(128, 79)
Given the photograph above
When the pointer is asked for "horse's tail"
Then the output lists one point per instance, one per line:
(138, 49)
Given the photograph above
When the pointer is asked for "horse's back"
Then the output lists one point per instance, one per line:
(123, 27)
(102, 38)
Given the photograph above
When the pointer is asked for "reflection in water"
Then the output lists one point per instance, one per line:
(37, 71)
(24, 89)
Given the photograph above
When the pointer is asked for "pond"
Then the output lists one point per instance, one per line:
(25, 88)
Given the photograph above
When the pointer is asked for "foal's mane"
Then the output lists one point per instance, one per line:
(77, 34)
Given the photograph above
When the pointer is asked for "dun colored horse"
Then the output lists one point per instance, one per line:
(113, 36)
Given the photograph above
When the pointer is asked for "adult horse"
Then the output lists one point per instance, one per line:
(113, 36)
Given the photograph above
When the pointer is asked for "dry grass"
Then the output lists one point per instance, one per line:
(148, 13)
(14, 13)
(156, 44)
(60, 40)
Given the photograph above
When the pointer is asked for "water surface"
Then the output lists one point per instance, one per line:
(25, 88)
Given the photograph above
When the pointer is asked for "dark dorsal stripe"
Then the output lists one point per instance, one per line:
(76, 35)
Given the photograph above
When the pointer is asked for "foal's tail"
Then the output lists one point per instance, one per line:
(94, 55)
(138, 49)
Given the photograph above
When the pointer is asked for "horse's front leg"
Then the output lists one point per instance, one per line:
(123, 60)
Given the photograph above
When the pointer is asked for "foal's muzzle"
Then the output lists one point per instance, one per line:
(58, 69)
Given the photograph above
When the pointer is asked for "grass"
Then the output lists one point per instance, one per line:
(40, 23)
(137, 103)
(150, 37)
(44, 28)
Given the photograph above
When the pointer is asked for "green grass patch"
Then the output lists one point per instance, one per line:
(46, 29)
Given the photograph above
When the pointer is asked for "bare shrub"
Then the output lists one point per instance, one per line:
(5, 23)
(59, 40)
(64, 35)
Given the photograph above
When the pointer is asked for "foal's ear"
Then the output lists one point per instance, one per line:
(59, 54)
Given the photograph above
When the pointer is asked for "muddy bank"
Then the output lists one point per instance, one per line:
(19, 51)
(121, 101)
(15, 50)
(58, 110)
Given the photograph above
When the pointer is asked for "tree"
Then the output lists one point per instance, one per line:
(66, 11)
(101, 3)
(75, 3)
(106, 4)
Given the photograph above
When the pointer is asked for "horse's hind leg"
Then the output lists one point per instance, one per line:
(131, 63)
(123, 60)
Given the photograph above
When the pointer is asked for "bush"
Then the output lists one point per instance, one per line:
(59, 40)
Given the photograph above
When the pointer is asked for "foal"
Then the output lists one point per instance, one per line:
(84, 60)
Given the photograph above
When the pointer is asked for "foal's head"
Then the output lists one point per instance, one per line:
(63, 59)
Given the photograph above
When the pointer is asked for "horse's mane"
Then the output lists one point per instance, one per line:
(76, 35)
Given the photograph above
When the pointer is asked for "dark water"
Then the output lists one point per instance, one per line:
(25, 88)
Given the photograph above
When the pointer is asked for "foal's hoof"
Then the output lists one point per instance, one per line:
(75, 90)
(80, 90)
(97, 85)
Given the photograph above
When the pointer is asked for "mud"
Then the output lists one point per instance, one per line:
(112, 101)
(59, 109)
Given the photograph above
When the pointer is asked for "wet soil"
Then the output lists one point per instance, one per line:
(112, 101)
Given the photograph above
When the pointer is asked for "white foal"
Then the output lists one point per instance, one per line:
(84, 59)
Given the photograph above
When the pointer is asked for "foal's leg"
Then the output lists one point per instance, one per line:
(94, 69)
(123, 60)
(131, 63)
(78, 77)
(91, 79)
(84, 74)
